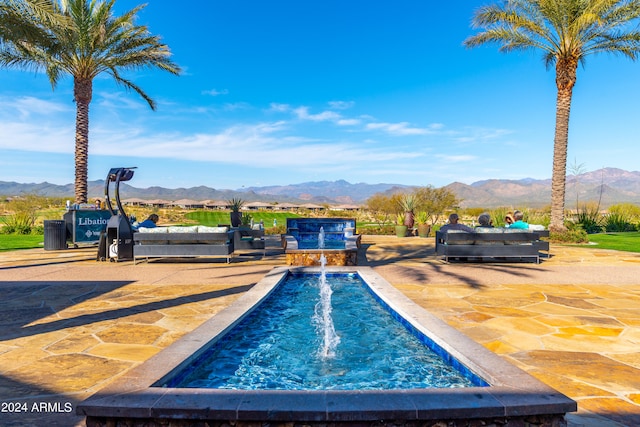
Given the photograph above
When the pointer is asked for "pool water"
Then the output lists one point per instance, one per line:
(277, 346)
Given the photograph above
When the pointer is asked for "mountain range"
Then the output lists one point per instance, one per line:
(609, 185)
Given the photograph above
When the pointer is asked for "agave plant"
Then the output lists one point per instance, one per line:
(235, 204)
(422, 218)
(408, 203)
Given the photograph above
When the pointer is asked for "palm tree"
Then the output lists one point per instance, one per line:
(92, 41)
(566, 31)
(16, 25)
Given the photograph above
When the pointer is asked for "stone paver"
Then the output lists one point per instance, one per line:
(70, 325)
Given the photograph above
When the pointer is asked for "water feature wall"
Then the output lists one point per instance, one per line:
(340, 241)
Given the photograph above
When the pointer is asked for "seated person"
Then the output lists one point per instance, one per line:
(454, 225)
(149, 222)
(518, 223)
(484, 221)
(508, 219)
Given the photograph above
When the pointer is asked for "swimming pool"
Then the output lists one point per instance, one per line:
(280, 345)
(142, 394)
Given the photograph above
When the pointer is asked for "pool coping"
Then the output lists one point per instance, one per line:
(513, 392)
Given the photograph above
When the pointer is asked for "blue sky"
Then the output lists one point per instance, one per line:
(284, 92)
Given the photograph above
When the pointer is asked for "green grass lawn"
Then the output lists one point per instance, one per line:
(12, 242)
(629, 242)
(213, 218)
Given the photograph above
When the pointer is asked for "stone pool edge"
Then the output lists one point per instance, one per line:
(513, 393)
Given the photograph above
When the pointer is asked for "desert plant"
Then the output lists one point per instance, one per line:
(422, 218)
(436, 201)
(246, 218)
(618, 222)
(18, 223)
(24, 212)
(408, 203)
(589, 219)
(381, 208)
(570, 235)
(630, 210)
(235, 204)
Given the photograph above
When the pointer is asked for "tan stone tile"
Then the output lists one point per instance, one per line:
(474, 316)
(126, 333)
(70, 373)
(590, 368)
(569, 386)
(169, 338)
(40, 340)
(598, 321)
(555, 309)
(522, 342)
(619, 303)
(617, 409)
(129, 352)
(585, 343)
(75, 343)
(505, 299)
(183, 323)
(504, 311)
(522, 325)
(576, 301)
(630, 321)
(633, 335)
(500, 347)
(558, 320)
(149, 317)
(632, 359)
(591, 330)
(481, 334)
(17, 358)
(180, 311)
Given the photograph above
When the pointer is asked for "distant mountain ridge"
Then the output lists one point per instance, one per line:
(611, 185)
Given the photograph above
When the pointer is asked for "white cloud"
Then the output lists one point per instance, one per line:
(215, 92)
(482, 134)
(341, 105)
(456, 158)
(236, 106)
(399, 129)
(27, 107)
(303, 114)
(278, 108)
(348, 122)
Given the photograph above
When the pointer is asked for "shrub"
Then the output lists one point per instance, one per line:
(618, 222)
(379, 230)
(19, 223)
(589, 218)
(571, 235)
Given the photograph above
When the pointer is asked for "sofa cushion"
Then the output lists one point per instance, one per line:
(461, 242)
(488, 230)
(206, 229)
(153, 230)
(181, 229)
(515, 242)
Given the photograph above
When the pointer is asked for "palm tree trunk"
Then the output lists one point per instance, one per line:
(565, 80)
(83, 89)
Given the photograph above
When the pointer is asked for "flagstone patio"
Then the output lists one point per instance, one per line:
(70, 325)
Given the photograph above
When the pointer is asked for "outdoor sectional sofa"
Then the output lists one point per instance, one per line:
(247, 239)
(193, 241)
(492, 243)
